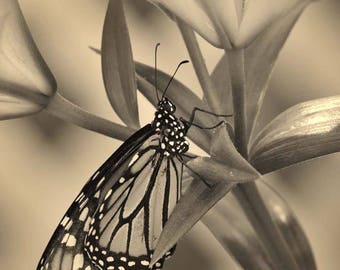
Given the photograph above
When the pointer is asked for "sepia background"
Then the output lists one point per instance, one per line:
(45, 162)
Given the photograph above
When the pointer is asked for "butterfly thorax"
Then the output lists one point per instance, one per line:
(172, 130)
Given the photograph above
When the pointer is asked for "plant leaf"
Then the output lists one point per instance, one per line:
(182, 96)
(214, 172)
(232, 229)
(304, 131)
(66, 110)
(26, 83)
(118, 66)
(222, 149)
(221, 80)
(197, 200)
(260, 58)
(289, 227)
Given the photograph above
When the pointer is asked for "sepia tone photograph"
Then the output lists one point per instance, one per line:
(158, 134)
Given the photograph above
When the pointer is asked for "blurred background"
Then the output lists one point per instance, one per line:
(45, 162)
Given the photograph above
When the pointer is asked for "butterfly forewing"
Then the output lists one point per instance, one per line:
(65, 250)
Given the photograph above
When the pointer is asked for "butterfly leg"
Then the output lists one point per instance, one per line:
(196, 109)
(190, 122)
(212, 127)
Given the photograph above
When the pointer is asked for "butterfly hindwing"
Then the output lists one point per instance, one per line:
(125, 230)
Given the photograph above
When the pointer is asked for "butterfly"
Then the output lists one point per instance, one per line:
(117, 218)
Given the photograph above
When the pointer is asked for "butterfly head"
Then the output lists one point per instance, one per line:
(165, 106)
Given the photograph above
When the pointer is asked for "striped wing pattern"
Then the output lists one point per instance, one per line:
(65, 250)
(125, 229)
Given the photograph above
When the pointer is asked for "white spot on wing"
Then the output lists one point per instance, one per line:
(83, 203)
(80, 196)
(144, 262)
(87, 224)
(64, 221)
(95, 175)
(71, 242)
(84, 214)
(78, 262)
(97, 194)
(63, 241)
(69, 224)
(135, 157)
(101, 181)
(108, 194)
(110, 259)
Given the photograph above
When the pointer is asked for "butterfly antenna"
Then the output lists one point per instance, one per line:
(166, 88)
(157, 45)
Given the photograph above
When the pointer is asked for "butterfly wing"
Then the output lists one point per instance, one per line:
(65, 250)
(124, 231)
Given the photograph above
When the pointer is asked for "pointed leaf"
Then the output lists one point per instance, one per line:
(118, 66)
(216, 172)
(66, 110)
(191, 207)
(260, 58)
(232, 229)
(307, 130)
(25, 80)
(222, 149)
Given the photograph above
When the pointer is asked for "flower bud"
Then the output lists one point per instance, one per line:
(229, 23)
(26, 83)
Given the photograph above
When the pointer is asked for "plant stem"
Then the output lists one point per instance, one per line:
(247, 194)
(199, 65)
(62, 108)
(237, 76)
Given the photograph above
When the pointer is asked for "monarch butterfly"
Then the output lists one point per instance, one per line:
(116, 220)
